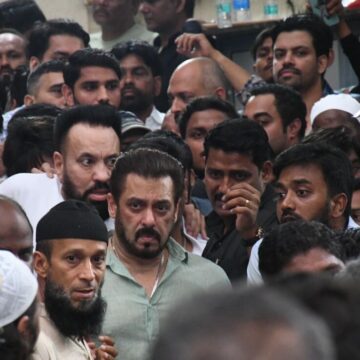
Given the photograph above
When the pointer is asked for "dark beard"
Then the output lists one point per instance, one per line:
(81, 322)
(137, 104)
(127, 244)
(71, 193)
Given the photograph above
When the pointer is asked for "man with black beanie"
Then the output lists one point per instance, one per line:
(70, 263)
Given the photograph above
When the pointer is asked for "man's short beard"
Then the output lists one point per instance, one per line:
(71, 193)
(81, 322)
(140, 103)
(127, 244)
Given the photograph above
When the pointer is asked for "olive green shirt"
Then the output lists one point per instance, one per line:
(134, 320)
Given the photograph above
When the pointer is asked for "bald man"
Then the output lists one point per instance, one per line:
(193, 78)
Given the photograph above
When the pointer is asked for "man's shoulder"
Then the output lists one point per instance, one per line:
(28, 180)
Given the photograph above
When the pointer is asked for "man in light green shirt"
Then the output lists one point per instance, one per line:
(147, 272)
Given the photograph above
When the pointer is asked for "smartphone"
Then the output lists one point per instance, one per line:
(319, 8)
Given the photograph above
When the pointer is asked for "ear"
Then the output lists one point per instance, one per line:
(338, 205)
(266, 172)
(40, 264)
(220, 92)
(177, 209)
(23, 326)
(112, 206)
(180, 6)
(28, 100)
(33, 63)
(58, 160)
(293, 129)
(323, 63)
(68, 95)
(157, 85)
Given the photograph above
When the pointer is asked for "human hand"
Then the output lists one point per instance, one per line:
(194, 221)
(243, 200)
(194, 45)
(107, 349)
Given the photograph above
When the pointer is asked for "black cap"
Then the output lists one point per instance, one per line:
(72, 219)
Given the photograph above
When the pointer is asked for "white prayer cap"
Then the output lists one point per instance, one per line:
(344, 102)
(18, 287)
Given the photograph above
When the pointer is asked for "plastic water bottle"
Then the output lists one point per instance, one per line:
(271, 9)
(223, 13)
(241, 9)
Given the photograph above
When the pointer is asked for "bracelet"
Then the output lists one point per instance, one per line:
(253, 240)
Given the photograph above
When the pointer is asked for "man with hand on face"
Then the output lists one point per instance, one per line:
(148, 272)
(237, 169)
(70, 263)
(87, 142)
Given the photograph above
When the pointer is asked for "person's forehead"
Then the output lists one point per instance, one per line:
(96, 136)
(12, 40)
(229, 160)
(261, 102)
(292, 39)
(266, 43)
(50, 78)
(65, 41)
(309, 172)
(149, 188)
(207, 117)
(86, 246)
(97, 73)
(132, 60)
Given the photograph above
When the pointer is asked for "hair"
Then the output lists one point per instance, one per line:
(293, 238)
(244, 323)
(259, 40)
(333, 163)
(88, 57)
(40, 35)
(335, 301)
(20, 14)
(189, 8)
(93, 115)
(29, 142)
(18, 85)
(146, 52)
(241, 136)
(147, 163)
(288, 102)
(167, 142)
(12, 344)
(36, 110)
(341, 137)
(205, 103)
(320, 33)
(54, 66)
(350, 241)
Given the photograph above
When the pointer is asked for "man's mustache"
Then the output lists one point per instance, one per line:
(147, 232)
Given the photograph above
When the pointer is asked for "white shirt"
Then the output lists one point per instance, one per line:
(253, 272)
(136, 32)
(37, 194)
(155, 120)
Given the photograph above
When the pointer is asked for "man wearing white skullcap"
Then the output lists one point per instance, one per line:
(333, 110)
(18, 308)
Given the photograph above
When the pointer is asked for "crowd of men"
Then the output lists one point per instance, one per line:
(138, 203)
